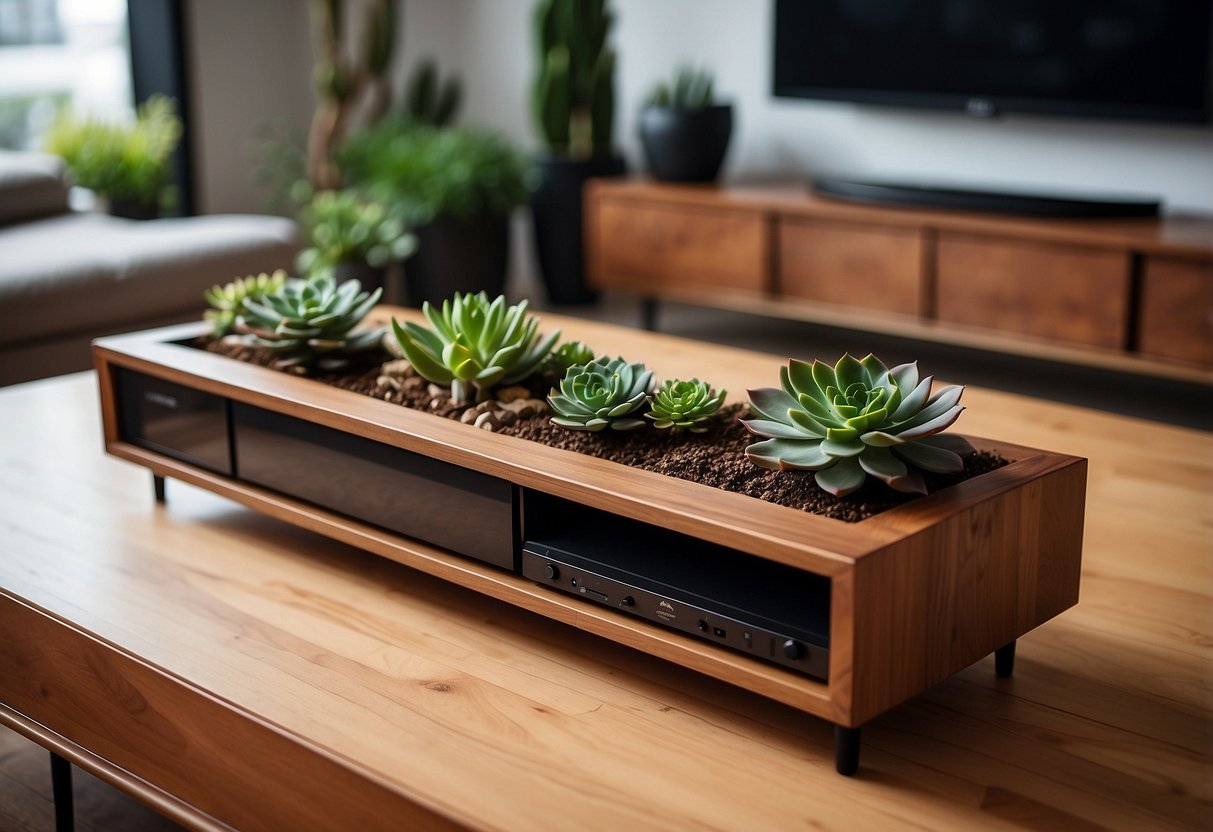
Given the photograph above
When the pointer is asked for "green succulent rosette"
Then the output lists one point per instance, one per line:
(311, 322)
(855, 419)
(227, 301)
(603, 393)
(475, 344)
(684, 405)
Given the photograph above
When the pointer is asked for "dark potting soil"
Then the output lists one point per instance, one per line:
(715, 458)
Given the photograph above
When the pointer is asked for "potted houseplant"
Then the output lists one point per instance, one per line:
(351, 236)
(455, 187)
(573, 103)
(683, 132)
(126, 164)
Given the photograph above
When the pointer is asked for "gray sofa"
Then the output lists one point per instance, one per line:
(67, 277)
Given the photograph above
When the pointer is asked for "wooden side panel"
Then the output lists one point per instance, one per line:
(953, 594)
(230, 766)
(649, 247)
(866, 267)
(1176, 315)
(1060, 293)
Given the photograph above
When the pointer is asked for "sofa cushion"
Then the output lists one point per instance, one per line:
(82, 273)
(32, 185)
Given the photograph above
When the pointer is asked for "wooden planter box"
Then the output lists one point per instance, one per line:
(895, 603)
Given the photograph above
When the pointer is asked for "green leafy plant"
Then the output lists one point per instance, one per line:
(424, 171)
(564, 356)
(228, 301)
(573, 98)
(428, 102)
(857, 418)
(123, 162)
(311, 322)
(603, 393)
(475, 344)
(685, 405)
(691, 89)
(345, 227)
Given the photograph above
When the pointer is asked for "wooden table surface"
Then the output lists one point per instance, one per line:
(460, 710)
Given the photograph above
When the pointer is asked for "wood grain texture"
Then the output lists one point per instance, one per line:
(650, 247)
(1063, 294)
(851, 265)
(742, 523)
(1083, 315)
(1177, 310)
(527, 724)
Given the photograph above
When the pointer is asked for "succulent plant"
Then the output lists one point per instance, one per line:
(603, 393)
(311, 322)
(692, 90)
(346, 227)
(228, 301)
(857, 418)
(685, 405)
(475, 344)
(564, 356)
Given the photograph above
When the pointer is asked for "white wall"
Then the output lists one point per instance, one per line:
(249, 65)
(489, 43)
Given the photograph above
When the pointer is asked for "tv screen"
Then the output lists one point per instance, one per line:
(1149, 59)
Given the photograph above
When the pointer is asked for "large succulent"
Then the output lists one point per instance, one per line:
(475, 344)
(857, 418)
(602, 393)
(685, 405)
(311, 322)
(228, 301)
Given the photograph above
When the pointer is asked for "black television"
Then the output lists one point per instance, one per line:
(1119, 59)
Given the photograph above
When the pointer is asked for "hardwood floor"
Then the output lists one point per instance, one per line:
(26, 804)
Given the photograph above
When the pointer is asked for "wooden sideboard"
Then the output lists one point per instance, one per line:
(1127, 294)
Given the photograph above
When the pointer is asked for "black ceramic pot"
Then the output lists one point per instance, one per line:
(457, 254)
(557, 212)
(371, 277)
(133, 209)
(685, 145)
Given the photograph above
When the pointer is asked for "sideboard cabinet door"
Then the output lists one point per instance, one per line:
(1177, 310)
(1060, 293)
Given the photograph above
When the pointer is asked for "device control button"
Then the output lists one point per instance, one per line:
(551, 571)
(702, 625)
(792, 649)
(628, 601)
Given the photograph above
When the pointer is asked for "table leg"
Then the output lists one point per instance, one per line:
(1004, 660)
(158, 487)
(61, 788)
(846, 750)
(648, 314)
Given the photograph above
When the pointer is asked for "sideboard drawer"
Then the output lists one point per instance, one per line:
(1060, 293)
(861, 266)
(1177, 310)
(176, 421)
(642, 245)
(456, 508)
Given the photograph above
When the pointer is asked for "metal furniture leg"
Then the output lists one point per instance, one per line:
(158, 487)
(846, 750)
(1004, 660)
(648, 314)
(61, 788)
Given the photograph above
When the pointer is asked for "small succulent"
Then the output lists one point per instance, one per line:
(685, 405)
(602, 393)
(857, 418)
(311, 322)
(228, 301)
(691, 90)
(564, 356)
(346, 227)
(475, 344)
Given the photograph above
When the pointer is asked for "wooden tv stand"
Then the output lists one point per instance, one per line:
(1133, 295)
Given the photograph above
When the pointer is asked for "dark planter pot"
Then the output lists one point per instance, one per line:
(685, 145)
(133, 209)
(371, 277)
(557, 210)
(456, 254)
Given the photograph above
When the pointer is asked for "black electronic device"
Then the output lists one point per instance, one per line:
(757, 607)
(1084, 58)
(994, 201)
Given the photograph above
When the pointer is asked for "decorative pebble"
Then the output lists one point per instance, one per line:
(487, 421)
(400, 368)
(387, 382)
(469, 416)
(509, 394)
(436, 390)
